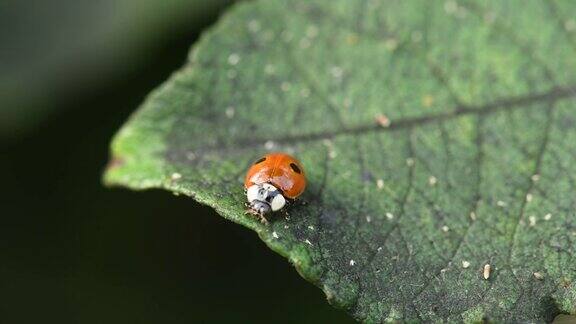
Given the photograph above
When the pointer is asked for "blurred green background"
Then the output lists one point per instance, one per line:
(72, 251)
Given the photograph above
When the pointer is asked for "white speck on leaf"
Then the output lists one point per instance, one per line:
(445, 228)
(269, 145)
(486, 272)
(529, 197)
(538, 275)
(336, 72)
(312, 31)
(352, 262)
(465, 264)
(332, 154)
(532, 221)
(379, 249)
(310, 227)
(501, 203)
(473, 216)
(535, 177)
(432, 181)
(176, 176)
(427, 101)
(269, 69)
(391, 44)
(230, 112)
(254, 26)
(547, 217)
(275, 235)
(368, 219)
(233, 59)
(389, 215)
(410, 162)
(307, 242)
(380, 183)
(382, 120)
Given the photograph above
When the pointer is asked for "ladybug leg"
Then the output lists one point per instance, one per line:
(260, 216)
(263, 219)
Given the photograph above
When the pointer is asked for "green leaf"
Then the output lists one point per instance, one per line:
(399, 221)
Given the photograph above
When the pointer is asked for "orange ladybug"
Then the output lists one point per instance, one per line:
(271, 180)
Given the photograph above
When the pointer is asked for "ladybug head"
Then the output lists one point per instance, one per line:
(264, 198)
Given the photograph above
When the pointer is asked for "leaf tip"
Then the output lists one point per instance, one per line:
(115, 163)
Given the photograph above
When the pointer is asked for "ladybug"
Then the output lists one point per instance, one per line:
(271, 180)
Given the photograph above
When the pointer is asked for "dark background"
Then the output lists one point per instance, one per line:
(73, 251)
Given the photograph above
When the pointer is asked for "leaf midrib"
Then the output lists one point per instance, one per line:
(550, 96)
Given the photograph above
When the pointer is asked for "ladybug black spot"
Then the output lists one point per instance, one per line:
(260, 161)
(295, 168)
